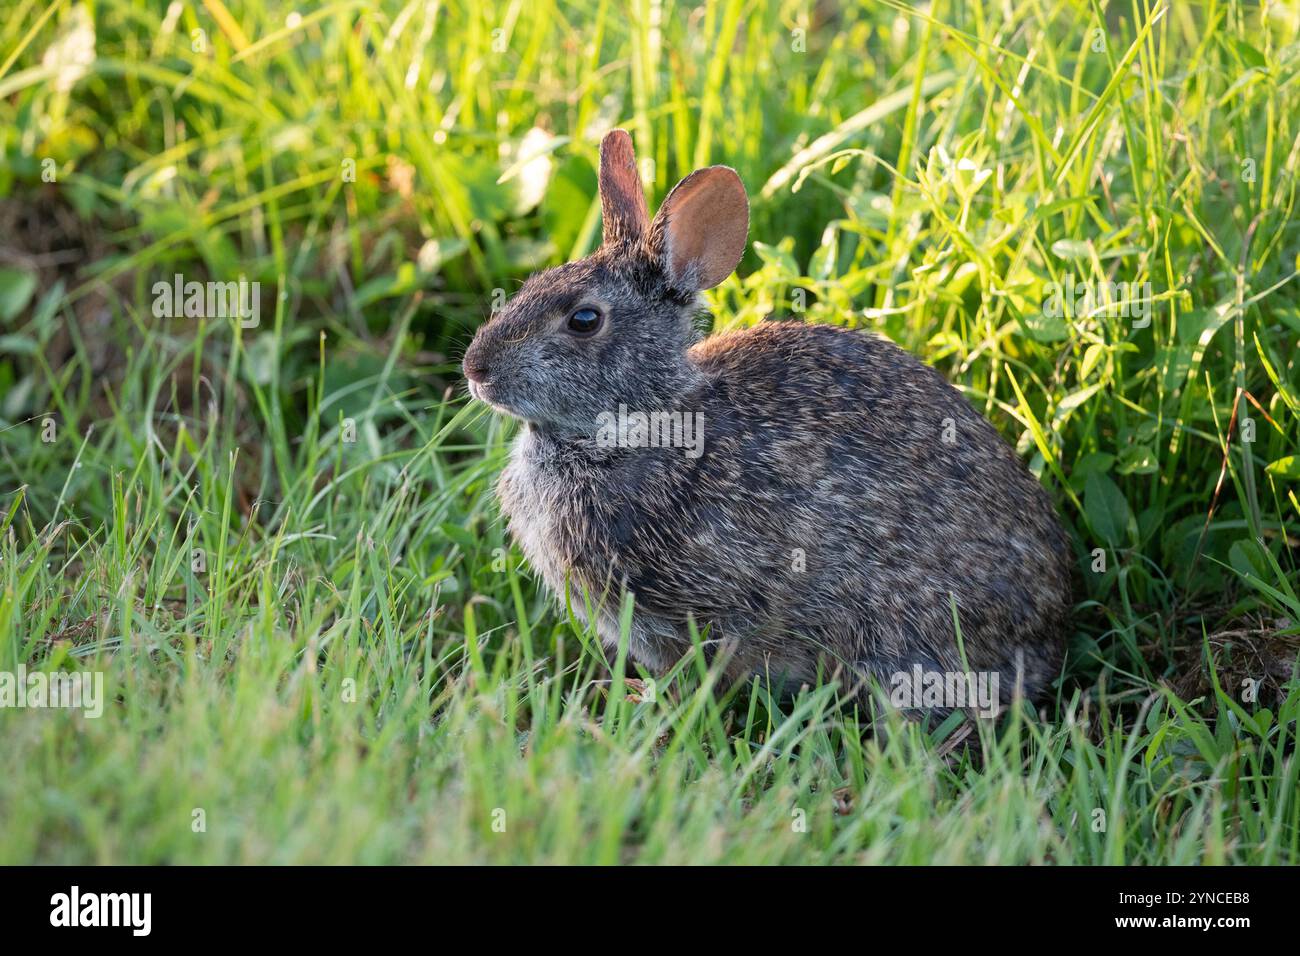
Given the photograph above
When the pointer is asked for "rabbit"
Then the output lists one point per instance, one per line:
(842, 507)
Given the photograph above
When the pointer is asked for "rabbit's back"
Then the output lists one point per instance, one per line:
(914, 493)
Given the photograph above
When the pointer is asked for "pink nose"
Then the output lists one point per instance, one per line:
(474, 370)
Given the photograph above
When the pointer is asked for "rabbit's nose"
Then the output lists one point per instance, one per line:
(475, 368)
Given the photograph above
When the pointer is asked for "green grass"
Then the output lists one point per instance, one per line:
(366, 671)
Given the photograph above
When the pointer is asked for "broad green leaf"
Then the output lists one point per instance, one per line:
(1074, 400)
(16, 289)
(1091, 356)
(1046, 328)
(1106, 509)
(1288, 467)
(1070, 249)
(1137, 460)
(779, 257)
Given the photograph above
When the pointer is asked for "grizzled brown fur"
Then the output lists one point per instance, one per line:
(845, 495)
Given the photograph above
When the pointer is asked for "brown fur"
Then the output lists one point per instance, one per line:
(846, 495)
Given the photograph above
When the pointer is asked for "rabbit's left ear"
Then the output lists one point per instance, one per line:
(699, 232)
(622, 201)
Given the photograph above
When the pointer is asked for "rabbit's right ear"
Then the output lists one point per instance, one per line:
(699, 232)
(622, 201)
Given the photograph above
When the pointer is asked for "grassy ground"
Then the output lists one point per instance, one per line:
(364, 670)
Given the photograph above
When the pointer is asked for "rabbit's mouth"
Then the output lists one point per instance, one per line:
(483, 392)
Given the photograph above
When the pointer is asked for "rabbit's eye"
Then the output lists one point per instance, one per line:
(584, 322)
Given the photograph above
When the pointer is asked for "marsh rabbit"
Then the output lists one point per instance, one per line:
(831, 497)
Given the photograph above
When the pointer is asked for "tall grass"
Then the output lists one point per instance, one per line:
(365, 670)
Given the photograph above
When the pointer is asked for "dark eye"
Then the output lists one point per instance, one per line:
(584, 322)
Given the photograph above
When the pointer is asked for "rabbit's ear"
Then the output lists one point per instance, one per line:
(700, 231)
(622, 201)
